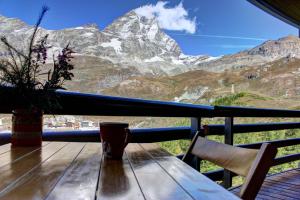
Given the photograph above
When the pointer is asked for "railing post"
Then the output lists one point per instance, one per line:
(228, 139)
(195, 126)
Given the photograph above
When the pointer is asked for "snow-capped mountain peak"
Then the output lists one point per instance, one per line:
(141, 33)
(130, 40)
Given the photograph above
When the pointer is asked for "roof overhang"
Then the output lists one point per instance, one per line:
(285, 10)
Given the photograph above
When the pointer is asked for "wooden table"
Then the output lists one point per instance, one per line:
(61, 170)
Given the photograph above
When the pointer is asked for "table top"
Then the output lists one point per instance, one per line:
(61, 170)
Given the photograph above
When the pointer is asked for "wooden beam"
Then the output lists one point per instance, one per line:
(286, 159)
(195, 127)
(219, 129)
(228, 139)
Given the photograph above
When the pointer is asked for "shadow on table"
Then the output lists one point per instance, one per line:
(113, 179)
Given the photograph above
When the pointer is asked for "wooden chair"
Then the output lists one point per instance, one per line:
(249, 163)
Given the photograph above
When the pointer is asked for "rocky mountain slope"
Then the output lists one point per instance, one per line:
(134, 57)
(277, 81)
(131, 40)
(269, 51)
(136, 41)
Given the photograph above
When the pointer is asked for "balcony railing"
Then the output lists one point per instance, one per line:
(73, 103)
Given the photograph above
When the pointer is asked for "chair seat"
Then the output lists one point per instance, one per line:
(284, 185)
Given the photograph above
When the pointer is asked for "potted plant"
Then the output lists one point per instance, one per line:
(27, 72)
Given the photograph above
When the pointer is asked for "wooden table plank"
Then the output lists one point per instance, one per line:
(40, 181)
(12, 173)
(71, 171)
(80, 180)
(4, 148)
(155, 150)
(196, 184)
(17, 153)
(153, 180)
(117, 181)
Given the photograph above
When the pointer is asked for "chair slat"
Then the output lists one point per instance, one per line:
(258, 171)
(250, 163)
(235, 159)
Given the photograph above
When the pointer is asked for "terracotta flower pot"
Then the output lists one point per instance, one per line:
(27, 127)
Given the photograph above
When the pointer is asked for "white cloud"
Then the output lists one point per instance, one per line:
(175, 18)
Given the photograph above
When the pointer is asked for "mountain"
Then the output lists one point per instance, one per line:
(131, 40)
(141, 37)
(269, 51)
(275, 84)
(134, 57)
(136, 42)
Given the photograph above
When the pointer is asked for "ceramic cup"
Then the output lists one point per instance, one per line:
(114, 137)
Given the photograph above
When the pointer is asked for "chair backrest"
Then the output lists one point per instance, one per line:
(250, 163)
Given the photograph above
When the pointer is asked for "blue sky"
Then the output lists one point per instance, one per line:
(220, 26)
